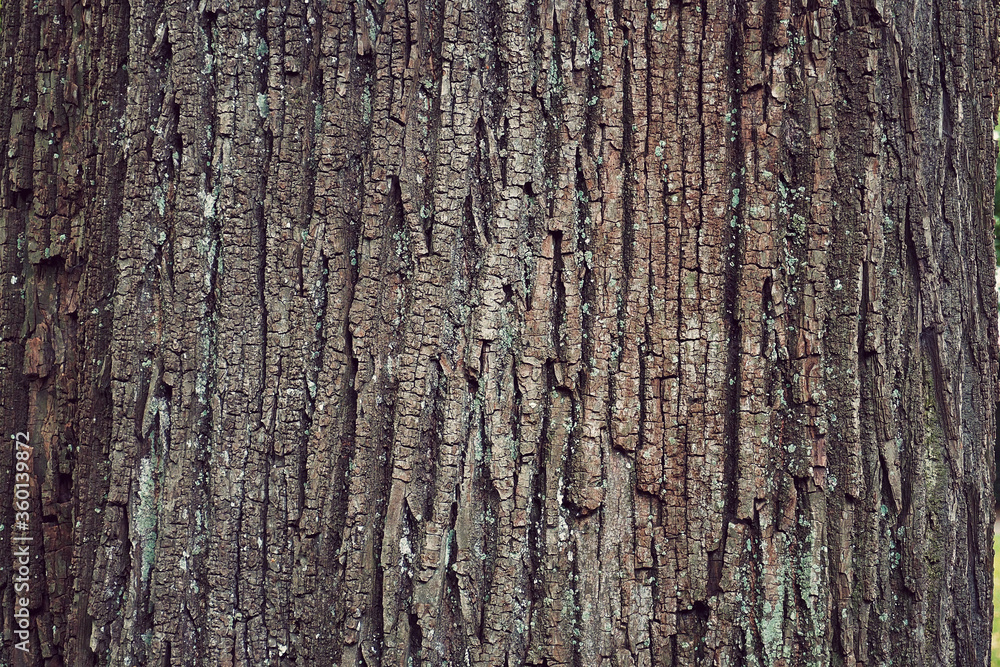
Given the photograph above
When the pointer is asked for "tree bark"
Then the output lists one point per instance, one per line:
(481, 333)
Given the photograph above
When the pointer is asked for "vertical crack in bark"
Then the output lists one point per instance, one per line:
(732, 264)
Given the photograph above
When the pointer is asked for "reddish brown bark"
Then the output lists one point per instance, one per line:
(483, 333)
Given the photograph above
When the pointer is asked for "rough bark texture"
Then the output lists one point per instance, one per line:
(500, 333)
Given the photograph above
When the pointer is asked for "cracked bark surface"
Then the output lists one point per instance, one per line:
(500, 333)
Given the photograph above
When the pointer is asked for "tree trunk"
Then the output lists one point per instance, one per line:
(481, 333)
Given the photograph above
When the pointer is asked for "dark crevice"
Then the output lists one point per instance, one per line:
(408, 42)
(207, 370)
(569, 452)
(491, 17)
(263, 379)
(381, 462)
(577, 619)
(536, 509)
(628, 197)
(433, 424)
(490, 502)
(481, 204)
(595, 53)
(501, 149)
(208, 25)
(733, 242)
(559, 288)
(696, 621)
(585, 261)
(802, 542)
(375, 637)
(754, 581)
(456, 644)
(552, 117)
(416, 640)
(427, 224)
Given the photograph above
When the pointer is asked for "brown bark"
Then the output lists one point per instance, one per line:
(525, 333)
